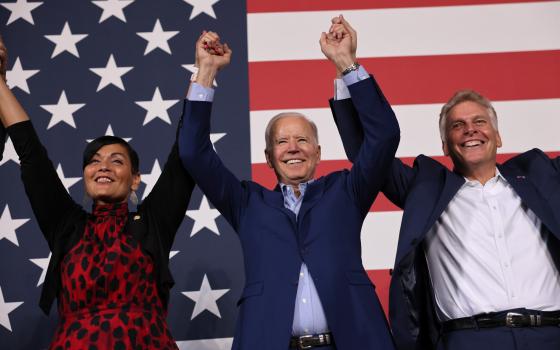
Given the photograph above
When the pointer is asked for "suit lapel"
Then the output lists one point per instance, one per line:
(452, 183)
(275, 199)
(529, 196)
(313, 194)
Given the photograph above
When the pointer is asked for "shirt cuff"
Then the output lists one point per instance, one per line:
(198, 92)
(341, 91)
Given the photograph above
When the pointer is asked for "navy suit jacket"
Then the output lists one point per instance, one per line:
(423, 192)
(326, 234)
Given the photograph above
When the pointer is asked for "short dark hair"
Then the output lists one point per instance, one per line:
(101, 141)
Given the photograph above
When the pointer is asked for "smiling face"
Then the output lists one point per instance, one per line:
(294, 152)
(108, 175)
(471, 140)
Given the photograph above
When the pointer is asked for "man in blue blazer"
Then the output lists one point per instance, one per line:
(478, 257)
(305, 284)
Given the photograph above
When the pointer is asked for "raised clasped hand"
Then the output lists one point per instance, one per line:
(340, 43)
(210, 52)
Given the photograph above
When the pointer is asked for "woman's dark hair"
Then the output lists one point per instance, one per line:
(99, 142)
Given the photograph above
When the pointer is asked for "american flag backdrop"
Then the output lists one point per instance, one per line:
(85, 68)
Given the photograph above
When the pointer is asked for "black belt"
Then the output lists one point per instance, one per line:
(311, 341)
(502, 319)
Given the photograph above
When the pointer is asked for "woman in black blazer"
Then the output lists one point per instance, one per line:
(109, 267)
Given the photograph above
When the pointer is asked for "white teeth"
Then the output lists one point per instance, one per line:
(104, 180)
(472, 143)
(293, 161)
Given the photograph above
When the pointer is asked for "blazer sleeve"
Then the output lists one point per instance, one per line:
(219, 184)
(49, 199)
(381, 135)
(168, 200)
(399, 176)
(2, 140)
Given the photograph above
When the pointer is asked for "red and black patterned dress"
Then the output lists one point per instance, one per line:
(109, 298)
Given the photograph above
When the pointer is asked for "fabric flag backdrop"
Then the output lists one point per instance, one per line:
(86, 68)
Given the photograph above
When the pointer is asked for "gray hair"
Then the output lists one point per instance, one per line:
(463, 96)
(270, 126)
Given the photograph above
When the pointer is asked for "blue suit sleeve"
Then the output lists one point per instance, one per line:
(399, 176)
(221, 187)
(381, 135)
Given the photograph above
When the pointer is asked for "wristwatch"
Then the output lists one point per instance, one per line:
(354, 66)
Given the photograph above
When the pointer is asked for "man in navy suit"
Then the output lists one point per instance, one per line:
(478, 257)
(305, 283)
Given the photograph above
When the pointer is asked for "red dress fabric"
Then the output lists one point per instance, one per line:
(109, 298)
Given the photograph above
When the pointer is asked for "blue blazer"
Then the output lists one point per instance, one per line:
(326, 235)
(423, 192)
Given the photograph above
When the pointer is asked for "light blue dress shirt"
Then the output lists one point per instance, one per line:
(309, 316)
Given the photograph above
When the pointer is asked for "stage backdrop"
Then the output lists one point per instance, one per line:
(87, 68)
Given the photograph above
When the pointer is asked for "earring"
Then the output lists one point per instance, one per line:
(133, 197)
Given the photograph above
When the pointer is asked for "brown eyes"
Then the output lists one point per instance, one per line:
(114, 161)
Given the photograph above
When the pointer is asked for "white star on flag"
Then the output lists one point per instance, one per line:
(62, 111)
(191, 68)
(215, 137)
(113, 8)
(17, 77)
(111, 74)
(173, 253)
(67, 182)
(205, 298)
(203, 217)
(9, 153)
(202, 6)
(43, 263)
(150, 179)
(8, 226)
(21, 9)
(156, 108)
(66, 41)
(110, 132)
(157, 38)
(5, 309)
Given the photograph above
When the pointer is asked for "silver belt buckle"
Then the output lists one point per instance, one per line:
(301, 339)
(511, 318)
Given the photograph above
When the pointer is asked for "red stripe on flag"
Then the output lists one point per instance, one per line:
(382, 280)
(411, 80)
(256, 6)
(263, 175)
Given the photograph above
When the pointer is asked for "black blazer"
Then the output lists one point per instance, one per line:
(62, 221)
(423, 192)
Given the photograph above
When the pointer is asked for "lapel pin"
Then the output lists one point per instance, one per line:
(136, 217)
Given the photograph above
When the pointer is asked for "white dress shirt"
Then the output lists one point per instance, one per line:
(488, 252)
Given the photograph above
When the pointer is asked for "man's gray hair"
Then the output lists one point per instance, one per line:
(463, 96)
(270, 126)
